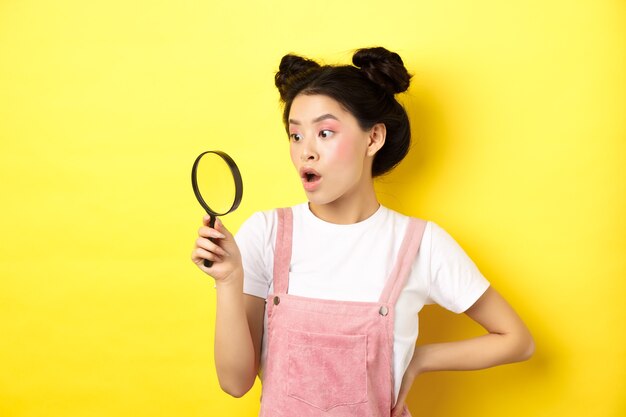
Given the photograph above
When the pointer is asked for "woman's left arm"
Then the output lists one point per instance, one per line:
(508, 340)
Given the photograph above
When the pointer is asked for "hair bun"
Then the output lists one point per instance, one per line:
(292, 69)
(384, 68)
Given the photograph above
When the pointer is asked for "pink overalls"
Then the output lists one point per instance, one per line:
(331, 358)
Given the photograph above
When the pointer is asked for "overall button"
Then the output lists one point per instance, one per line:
(276, 300)
(383, 311)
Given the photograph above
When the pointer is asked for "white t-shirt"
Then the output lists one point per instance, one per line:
(351, 262)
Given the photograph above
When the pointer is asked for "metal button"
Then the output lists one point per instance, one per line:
(383, 311)
(276, 300)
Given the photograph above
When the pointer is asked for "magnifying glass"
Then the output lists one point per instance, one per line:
(216, 178)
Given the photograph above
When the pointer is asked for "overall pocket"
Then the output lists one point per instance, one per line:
(327, 370)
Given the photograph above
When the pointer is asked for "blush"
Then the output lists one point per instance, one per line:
(344, 149)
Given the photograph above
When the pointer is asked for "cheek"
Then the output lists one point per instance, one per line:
(292, 154)
(349, 151)
(344, 150)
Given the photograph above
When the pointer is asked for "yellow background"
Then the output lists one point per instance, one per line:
(518, 111)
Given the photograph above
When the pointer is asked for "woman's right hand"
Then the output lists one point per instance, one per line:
(223, 251)
(238, 316)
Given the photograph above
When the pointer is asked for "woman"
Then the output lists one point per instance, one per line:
(322, 299)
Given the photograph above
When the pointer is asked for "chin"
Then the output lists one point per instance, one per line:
(319, 200)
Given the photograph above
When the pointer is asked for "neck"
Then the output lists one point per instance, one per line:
(349, 209)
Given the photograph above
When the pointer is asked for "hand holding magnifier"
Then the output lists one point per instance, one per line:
(216, 178)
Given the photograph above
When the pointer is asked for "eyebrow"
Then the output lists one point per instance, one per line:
(316, 120)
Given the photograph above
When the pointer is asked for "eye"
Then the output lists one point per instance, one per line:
(326, 133)
(296, 137)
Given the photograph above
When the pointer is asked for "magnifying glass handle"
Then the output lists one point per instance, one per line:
(208, 263)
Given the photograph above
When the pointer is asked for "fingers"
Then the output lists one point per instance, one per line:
(215, 244)
(210, 246)
(399, 408)
(206, 231)
(219, 227)
(218, 224)
(205, 246)
(199, 255)
(394, 411)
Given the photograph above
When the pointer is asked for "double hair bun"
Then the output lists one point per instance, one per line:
(381, 66)
(384, 68)
(293, 70)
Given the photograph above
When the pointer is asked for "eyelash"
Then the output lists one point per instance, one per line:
(296, 136)
(330, 133)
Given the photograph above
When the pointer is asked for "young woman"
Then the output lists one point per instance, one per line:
(322, 299)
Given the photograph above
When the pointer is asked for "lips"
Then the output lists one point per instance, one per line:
(310, 178)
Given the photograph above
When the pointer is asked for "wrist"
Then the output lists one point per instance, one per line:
(232, 280)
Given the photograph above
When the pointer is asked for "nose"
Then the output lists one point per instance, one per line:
(309, 152)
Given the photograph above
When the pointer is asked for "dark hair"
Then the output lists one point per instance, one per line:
(366, 90)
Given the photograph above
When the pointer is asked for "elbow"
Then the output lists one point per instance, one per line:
(529, 349)
(525, 348)
(235, 393)
(235, 379)
(235, 389)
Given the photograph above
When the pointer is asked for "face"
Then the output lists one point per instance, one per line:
(329, 150)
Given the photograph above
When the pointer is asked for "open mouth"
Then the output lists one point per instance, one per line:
(309, 174)
(310, 178)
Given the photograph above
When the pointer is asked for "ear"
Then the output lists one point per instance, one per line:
(376, 138)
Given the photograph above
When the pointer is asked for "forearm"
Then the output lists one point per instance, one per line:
(477, 353)
(234, 350)
(508, 340)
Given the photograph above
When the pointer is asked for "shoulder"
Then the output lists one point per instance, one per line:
(400, 222)
(436, 246)
(443, 251)
(265, 222)
(393, 217)
(441, 242)
(256, 228)
(259, 219)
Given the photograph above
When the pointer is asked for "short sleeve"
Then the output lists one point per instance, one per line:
(455, 281)
(254, 239)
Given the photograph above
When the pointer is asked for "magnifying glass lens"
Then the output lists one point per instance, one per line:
(216, 182)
